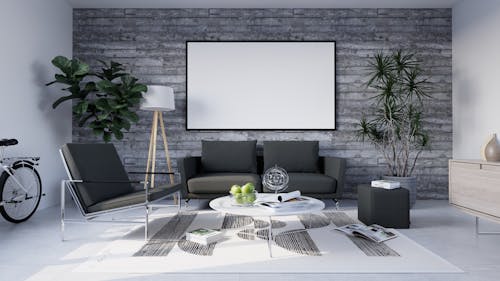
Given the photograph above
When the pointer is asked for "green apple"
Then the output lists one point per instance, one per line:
(248, 188)
(235, 189)
(250, 198)
(239, 198)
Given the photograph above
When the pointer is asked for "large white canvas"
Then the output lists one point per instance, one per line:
(260, 85)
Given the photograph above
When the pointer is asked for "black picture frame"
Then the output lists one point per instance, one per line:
(258, 129)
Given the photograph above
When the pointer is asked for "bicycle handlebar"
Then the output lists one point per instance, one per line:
(7, 142)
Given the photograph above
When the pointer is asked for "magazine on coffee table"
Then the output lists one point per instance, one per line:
(374, 232)
(281, 200)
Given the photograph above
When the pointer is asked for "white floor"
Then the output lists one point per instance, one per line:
(33, 250)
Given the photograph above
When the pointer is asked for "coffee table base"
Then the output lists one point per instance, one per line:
(270, 233)
(225, 205)
(270, 237)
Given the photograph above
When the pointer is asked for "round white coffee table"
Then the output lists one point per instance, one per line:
(226, 205)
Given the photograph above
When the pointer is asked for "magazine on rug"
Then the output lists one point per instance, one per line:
(281, 200)
(374, 232)
(203, 236)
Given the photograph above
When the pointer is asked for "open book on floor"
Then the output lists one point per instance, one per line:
(374, 232)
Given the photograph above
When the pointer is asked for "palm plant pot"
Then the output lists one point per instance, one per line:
(409, 183)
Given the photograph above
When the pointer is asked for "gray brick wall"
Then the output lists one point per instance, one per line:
(152, 44)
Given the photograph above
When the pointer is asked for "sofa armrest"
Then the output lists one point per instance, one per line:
(188, 168)
(335, 168)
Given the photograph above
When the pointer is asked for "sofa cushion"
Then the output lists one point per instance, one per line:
(229, 156)
(309, 183)
(96, 163)
(293, 156)
(221, 182)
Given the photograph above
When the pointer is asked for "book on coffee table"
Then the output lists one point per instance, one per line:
(282, 200)
(203, 236)
(277, 197)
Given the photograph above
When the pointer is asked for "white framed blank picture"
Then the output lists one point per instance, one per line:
(260, 85)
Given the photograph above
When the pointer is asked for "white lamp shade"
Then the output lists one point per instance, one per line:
(158, 98)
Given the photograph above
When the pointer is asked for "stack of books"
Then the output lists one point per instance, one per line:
(204, 236)
(386, 184)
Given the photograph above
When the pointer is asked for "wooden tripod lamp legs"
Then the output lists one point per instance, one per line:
(165, 145)
(151, 164)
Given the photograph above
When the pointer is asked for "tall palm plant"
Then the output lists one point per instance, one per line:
(395, 128)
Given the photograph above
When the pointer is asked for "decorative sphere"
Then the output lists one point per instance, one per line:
(275, 179)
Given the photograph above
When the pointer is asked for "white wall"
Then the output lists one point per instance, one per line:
(476, 75)
(32, 33)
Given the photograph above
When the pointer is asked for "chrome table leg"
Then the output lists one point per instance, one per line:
(63, 203)
(270, 237)
(337, 204)
(478, 232)
(146, 224)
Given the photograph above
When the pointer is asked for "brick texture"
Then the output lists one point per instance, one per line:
(151, 42)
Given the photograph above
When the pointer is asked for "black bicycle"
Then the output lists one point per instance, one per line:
(20, 185)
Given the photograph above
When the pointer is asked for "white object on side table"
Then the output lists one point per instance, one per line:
(387, 184)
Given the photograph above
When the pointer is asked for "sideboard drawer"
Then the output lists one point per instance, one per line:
(492, 168)
(467, 166)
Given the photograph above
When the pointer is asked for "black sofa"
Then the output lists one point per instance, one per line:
(224, 163)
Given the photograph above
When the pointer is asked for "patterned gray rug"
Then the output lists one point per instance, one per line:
(293, 240)
(301, 244)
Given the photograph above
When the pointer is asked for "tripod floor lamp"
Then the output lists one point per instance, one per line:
(158, 99)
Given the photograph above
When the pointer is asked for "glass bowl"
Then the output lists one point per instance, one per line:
(243, 199)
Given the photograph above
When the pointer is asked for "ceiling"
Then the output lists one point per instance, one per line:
(263, 3)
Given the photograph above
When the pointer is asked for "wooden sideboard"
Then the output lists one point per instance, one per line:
(474, 186)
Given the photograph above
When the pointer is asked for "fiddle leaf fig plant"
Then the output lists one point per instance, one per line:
(395, 126)
(105, 104)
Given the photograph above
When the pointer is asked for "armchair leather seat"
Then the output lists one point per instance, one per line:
(98, 163)
(137, 197)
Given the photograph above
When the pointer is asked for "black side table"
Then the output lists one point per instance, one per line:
(385, 207)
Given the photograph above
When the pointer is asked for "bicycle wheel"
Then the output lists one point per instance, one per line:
(18, 204)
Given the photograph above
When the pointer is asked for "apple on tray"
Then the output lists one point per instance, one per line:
(235, 189)
(239, 198)
(250, 198)
(248, 191)
(248, 188)
(244, 195)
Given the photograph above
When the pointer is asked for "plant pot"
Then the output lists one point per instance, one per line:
(409, 183)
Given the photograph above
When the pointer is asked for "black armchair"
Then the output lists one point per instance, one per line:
(100, 185)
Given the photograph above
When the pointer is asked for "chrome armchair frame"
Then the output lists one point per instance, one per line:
(92, 217)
